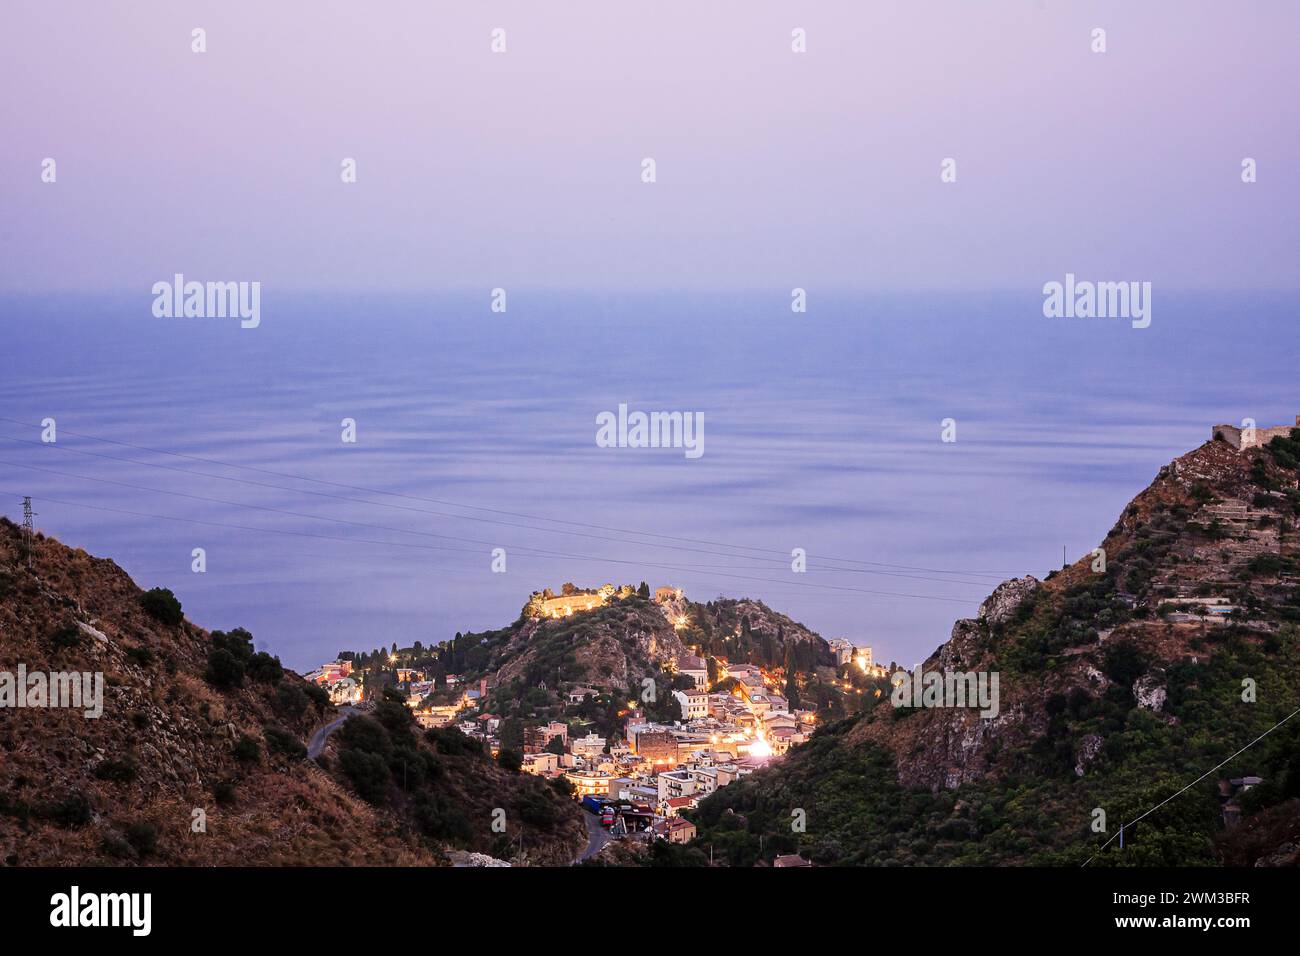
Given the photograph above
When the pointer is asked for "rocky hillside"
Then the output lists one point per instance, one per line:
(198, 757)
(1121, 679)
(747, 631)
(608, 647)
(535, 662)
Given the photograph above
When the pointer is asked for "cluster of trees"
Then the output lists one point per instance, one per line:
(232, 658)
(162, 605)
(382, 759)
(1286, 451)
(427, 778)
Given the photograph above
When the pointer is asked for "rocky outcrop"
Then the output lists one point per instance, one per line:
(1001, 606)
(1089, 747)
(1149, 691)
(964, 648)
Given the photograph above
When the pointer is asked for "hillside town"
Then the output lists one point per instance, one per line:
(639, 778)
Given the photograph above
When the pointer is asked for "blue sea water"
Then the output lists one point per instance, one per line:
(822, 432)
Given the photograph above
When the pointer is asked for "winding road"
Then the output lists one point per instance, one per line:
(597, 837)
(318, 739)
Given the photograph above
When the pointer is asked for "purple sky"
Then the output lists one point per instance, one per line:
(775, 170)
(478, 170)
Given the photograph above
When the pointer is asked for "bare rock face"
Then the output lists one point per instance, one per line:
(1000, 606)
(1149, 692)
(967, 740)
(1096, 679)
(1288, 854)
(963, 648)
(464, 858)
(1091, 746)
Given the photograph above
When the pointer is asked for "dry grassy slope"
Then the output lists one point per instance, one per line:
(179, 730)
(944, 748)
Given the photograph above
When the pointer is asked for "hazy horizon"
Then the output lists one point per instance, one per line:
(130, 158)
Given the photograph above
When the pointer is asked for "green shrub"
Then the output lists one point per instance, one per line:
(368, 773)
(225, 671)
(317, 695)
(139, 655)
(510, 759)
(453, 743)
(291, 700)
(114, 845)
(439, 818)
(247, 750)
(365, 734)
(1124, 662)
(161, 604)
(281, 741)
(69, 635)
(143, 837)
(223, 791)
(118, 770)
(70, 811)
(265, 668)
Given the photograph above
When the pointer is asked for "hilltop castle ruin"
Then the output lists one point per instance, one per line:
(1248, 436)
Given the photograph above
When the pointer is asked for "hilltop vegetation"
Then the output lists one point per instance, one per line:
(1119, 686)
(613, 650)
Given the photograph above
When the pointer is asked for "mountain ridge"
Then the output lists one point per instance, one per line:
(1121, 677)
(198, 757)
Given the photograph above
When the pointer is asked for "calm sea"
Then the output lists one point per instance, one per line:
(477, 430)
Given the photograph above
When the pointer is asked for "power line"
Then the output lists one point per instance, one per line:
(1189, 786)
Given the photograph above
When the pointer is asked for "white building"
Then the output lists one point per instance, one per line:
(542, 764)
(675, 783)
(694, 702)
(694, 668)
(842, 648)
(706, 780)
